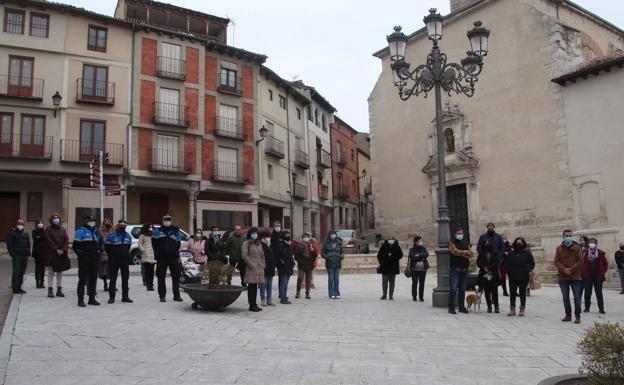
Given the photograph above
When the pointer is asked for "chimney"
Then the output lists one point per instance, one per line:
(458, 4)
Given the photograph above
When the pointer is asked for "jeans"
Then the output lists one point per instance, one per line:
(621, 272)
(458, 281)
(596, 284)
(388, 280)
(418, 284)
(514, 286)
(266, 289)
(283, 286)
(333, 281)
(565, 286)
(19, 269)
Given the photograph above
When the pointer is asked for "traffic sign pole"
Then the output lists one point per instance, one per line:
(102, 188)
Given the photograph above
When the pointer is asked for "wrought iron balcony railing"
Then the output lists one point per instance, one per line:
(84, 152)
(167, 160)
(21, 87)
(230, 128)
(230, 172)
(170, 114)
(274, 147)
(302, 159)
(26, 146)
(88, 91)
(172, 68)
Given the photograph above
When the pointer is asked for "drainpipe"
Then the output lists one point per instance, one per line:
(291, 181)
(124, 204)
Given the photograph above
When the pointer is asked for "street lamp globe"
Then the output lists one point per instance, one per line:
(264, 132)
(397, 42)
(433, 21)
(56, 99)
(478, 37)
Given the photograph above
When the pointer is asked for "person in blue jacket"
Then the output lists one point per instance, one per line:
(86, 245)
(166, 245)
(117, 247)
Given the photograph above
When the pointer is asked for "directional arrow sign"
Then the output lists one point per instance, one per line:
(110, 193)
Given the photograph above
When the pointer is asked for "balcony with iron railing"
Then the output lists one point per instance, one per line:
(274, 147)
(323, 159)
(230, 128)
(323, 191)
(171, 68)
(230, 172)
(301, 191)
(99, 92)
(170, 114)
(167, 160)
(24, 87)
(342, 158)
(343, 191)
(83, 152)
(229, 84)
(25, 146)
(302, 159)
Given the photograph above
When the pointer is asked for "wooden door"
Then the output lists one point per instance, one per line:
(153, 207)
(20, 76)
(458, 208)
(9, 212)
(32, 138)
(6, 134)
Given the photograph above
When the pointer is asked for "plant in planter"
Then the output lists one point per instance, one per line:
(216, 273)
(213, 292)
(602, 349)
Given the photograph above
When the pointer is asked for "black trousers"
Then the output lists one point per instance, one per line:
(596, 284)
(240, 265)
(388, 279)
(252, 293)
(87, 276)
(491, 295)
(173, 264)
(418, 284)
(149, 274)
(115, 264)
(39, 270)
(513, 291)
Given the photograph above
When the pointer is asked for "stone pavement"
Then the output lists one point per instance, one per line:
(356, 340)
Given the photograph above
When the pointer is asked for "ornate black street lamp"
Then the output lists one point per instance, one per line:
(438, 74)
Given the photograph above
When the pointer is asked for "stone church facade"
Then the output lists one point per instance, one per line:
(507, 148)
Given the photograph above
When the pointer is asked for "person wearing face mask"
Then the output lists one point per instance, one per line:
(388, 257)
(147, 255)
(105, 229)
(418, 265)
(619, 262)
(38, 246)
(498, 244)
(253, 257)
(214, 246)
(593, 272)
(196, 246)
(166, 243)
(569, 262)
(86, 245)
(55, 256)
(276, 233)
(458, 271)
(18, 246)
(266, 288)
(333, 254)
(489, 276)
(117, 246)
(519, 263)
(232, 248)
(305, 255)
(501, 266)
(285, 264)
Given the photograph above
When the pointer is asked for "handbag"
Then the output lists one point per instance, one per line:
(378, 269)
(61, 263)
(408, 270)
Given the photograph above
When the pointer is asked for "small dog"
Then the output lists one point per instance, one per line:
(474, 301)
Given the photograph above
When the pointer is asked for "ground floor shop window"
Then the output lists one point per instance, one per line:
(82, 212)
(225, 219)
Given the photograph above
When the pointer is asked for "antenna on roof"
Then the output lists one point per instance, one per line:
(233, 31)
(295, 77)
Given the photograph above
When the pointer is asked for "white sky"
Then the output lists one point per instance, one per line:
(328, 43)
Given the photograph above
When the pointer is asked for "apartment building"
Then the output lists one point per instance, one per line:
(365, 177)
(345, 175)
(64, 97)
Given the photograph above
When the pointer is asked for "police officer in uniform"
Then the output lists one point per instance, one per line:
(86, 245)
(166, 245)
(117, 247)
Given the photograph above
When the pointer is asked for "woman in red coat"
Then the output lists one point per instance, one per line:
(56, 245)
(595, 266)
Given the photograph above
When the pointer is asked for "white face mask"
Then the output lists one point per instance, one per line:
(167, 223)
(91, 224)
(20, 227)
(40, 225)
(267, 241)
(391, 242)
(278, 229)
(198, 235)
(592, 246)
(306, 239)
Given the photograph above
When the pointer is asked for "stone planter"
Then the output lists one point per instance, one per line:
(566, 379)
(212, 299)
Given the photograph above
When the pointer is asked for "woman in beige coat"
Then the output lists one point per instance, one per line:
(253, 256)
(147, 255)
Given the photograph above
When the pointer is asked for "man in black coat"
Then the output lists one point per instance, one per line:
(498, 245)
(38, 247)
(117, 247)
(166, 244)
(18, 245)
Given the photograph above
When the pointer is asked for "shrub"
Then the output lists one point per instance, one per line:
(602, 349)
(216, 273)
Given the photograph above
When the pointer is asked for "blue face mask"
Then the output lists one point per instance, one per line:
(568, 240)
(391, 242)
(459, 237)
(254, 236)
(216, 234)
(333, 236)
(56, 221)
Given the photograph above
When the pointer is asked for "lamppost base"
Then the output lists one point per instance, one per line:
(441, 292)
(440, 297)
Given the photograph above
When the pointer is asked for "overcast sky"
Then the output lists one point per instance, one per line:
(328, 43)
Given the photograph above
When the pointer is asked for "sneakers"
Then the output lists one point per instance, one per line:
(577, 320)
(336, 297)
(521, 314)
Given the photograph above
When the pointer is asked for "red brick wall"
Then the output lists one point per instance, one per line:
(210, 114)
(189, 153)
(248, 119)
(207, 159)
(148, 97)
(145, 149)
(191, 96)
(192, 65)
(248, 163)
(149, 52)
(211, 73)
(247, 82)
(343, 134)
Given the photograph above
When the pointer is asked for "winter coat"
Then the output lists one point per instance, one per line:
(305, 263)
(490, 261)
(601, 267)
(214, 250)
(55, 239)
(570, 257)
(147, 251)
(166, 242)
(197, 248)
(38, 243)
(275, 242)
(18, 243)
(233, 246)
(388, 257)
(619, 259)
(86, 243)
(117, 245)
(284, 258)
(498, 244)
(333, 253)
(269, 260)
(253, 256)
(459, 251)
(416, 256)
(519, 263)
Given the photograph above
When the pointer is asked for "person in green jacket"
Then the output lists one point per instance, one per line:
(233, 246)
(333, 254)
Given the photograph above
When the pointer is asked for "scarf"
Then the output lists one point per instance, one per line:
(592, 255)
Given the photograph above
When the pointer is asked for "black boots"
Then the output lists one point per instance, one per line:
(59, 292)
(254, 308)
(81, 303)
(504, 286)
(50, 293)
(92, 301)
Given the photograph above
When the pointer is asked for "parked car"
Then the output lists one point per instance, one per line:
(353, 242)
(135, 231)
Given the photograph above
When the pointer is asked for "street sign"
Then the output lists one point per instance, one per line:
(110, 193)
(114, 187)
